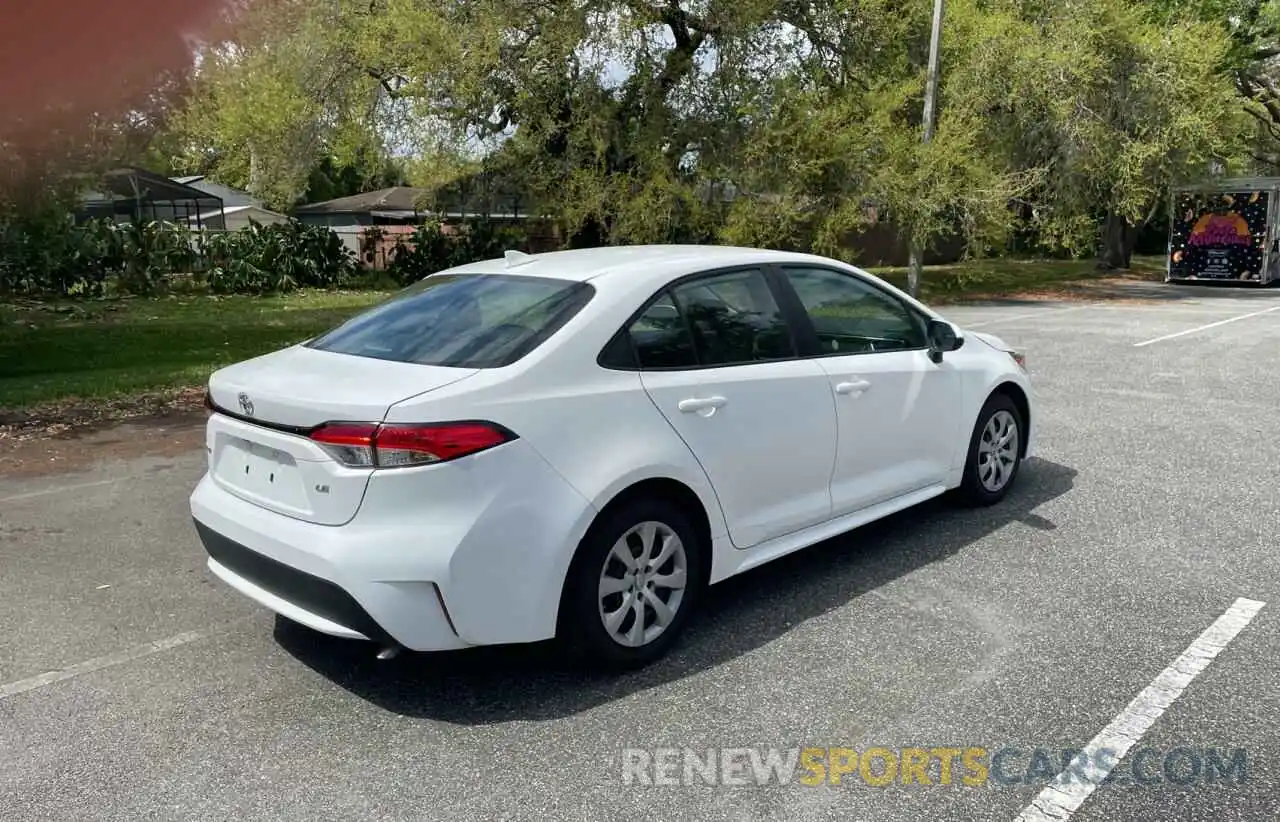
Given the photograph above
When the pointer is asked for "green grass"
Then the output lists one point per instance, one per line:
(60, 352)
(55, 352)
(1006, 277)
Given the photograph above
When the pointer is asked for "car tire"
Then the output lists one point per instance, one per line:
(988, 475)
(584, 630)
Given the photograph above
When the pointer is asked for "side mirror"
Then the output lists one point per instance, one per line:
(943, 337)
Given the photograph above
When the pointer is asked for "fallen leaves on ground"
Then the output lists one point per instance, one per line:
(75, 415)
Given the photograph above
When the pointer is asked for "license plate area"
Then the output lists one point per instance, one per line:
(262, 473)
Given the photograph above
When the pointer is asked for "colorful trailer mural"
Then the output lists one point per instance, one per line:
(1225, 232)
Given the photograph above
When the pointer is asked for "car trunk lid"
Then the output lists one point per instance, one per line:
(258, 442)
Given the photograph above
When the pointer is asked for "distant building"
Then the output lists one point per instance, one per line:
(137, 194)
(387, 206)
(474, 196)
(233, 218)
(397, 211)
(231, 197)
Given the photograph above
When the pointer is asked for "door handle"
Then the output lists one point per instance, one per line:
(852, 387)
(695, 404)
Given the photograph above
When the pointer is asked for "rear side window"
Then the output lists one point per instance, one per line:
(461, 320)
(661, 337)
(735, 319)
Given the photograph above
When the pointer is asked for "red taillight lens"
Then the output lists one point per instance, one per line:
(348, 443)
(421, 444)
(397, 445)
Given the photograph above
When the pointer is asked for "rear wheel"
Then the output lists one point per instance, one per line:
(633, 585)
(995, 452)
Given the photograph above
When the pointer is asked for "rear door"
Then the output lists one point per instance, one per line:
(897, 410)
(720, 362)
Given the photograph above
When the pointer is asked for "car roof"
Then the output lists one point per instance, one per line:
(641, 264)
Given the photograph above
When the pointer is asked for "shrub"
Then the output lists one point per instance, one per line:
(150, 253)
(429, 249)
(276, 258)
(48, 253)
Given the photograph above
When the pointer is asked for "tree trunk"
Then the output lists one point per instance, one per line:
(1118, 238)
(592, 234)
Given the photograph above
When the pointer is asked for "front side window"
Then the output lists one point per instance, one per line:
(854, 317)
(461, 320)
(734, 319)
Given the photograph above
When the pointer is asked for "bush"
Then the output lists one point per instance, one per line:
(149, 253)
(49, 253)
(429, 249)
(277, 258)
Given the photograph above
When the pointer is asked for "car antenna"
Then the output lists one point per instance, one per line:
(515, 258)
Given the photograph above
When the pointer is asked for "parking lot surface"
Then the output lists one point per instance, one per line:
(133, 685)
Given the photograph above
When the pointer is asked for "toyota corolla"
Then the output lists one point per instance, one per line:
(574, 445)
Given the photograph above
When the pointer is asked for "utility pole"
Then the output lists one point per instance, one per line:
(915, 262)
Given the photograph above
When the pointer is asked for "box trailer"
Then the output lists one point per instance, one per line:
(1225, 231)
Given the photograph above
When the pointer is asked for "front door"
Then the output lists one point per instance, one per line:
(897, 410)
(719, 361)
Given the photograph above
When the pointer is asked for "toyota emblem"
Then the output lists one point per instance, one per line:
(246, 404)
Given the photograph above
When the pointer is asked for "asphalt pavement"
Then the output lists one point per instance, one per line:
(133, 685)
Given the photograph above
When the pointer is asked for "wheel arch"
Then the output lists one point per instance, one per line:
(671, 490)
(1022, 402)
(664, 488)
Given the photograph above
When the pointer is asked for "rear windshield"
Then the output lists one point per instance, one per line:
(462, 320)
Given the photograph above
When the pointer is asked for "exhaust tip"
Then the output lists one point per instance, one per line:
(389, 652)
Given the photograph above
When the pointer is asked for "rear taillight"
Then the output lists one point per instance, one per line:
(396, 445)
(349, 443)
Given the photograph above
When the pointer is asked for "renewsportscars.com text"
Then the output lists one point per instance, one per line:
(933, 766)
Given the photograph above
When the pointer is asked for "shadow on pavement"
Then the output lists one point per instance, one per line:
(533, 683)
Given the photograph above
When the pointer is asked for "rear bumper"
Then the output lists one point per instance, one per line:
(310, 600)
(477, 557)
(387, 614)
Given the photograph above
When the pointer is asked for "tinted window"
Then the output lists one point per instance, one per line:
(854, 317)
(464, 320)
(661, 337)
(734, 319)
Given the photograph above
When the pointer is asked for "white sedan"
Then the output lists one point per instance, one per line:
(576, 444)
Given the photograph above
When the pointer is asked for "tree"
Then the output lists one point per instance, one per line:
(635, 120)
(1112, 107)
(277, 98)
(330, 179)
(621, 116)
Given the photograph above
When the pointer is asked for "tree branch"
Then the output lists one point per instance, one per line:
(1268, 120)
(1265, 158)
(385, 80)
(670, 14)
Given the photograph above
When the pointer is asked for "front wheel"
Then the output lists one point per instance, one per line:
(995, 452)
(633, 585)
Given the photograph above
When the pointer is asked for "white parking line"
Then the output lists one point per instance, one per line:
(1028, 316)
(1068, 791)
(97, 664)
(1208, 326)
(58, 490)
